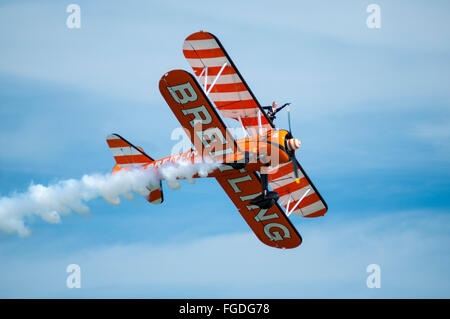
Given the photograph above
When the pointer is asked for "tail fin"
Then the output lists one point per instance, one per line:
(126, 154)
(129, 156)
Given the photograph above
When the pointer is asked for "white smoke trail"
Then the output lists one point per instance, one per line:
(50, 202)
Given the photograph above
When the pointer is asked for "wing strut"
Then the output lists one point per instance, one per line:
(259, 123)
(289, 212)
(243, 127)
(217, 77)
(205, 69)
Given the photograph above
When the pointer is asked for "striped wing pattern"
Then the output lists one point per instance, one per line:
(282, 181)
(230, 93)
(125, 153)
(234, 99)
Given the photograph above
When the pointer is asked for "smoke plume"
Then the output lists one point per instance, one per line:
(63, 197)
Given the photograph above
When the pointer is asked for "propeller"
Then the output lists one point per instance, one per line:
(292, 144)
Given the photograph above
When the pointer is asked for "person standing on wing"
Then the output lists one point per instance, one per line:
(273, 109)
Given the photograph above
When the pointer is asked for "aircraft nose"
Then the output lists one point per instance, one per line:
(293, 144)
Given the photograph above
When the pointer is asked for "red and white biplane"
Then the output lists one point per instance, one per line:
(259, 172)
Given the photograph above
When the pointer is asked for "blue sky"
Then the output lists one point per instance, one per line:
(371, 106)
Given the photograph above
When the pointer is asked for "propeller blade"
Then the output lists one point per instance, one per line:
(289, 118)
(292, 157)
(294, 165)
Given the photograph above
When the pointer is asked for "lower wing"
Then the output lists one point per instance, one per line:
(302, 199)
(271, 225)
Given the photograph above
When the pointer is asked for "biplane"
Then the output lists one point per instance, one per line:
(259, 172)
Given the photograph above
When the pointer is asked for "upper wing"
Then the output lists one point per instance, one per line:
(234, 99)
(199, 119)
(271, 225)
(230, 93)
(282, 181)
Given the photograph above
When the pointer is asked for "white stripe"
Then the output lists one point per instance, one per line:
(200, 44)
(124, 151)
(112, 137)
(280, 166)
(157, 201)
(296, 195)
(285, 179)
(223, 79)
(243, 113)
(230, 96)
(209, 62)
(254, 129)
(310, 209)
(282, 181)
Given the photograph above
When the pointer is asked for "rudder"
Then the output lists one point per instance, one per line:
(126, 154)
(129, 156)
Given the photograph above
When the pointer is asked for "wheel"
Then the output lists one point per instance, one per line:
(265, 201)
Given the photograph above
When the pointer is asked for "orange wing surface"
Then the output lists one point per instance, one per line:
(199, 119)
(271, 225)
(234, 99)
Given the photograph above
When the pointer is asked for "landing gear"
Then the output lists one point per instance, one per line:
(267, 199)
(237, 166)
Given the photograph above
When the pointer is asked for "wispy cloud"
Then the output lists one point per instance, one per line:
(437, 133)
(410, 247)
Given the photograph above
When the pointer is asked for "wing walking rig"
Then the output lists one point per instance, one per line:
(259, 173)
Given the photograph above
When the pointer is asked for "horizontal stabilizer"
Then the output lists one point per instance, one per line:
(129, 156)
(126, 154)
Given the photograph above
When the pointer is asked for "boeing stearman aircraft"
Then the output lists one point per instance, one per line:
(259, 173)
